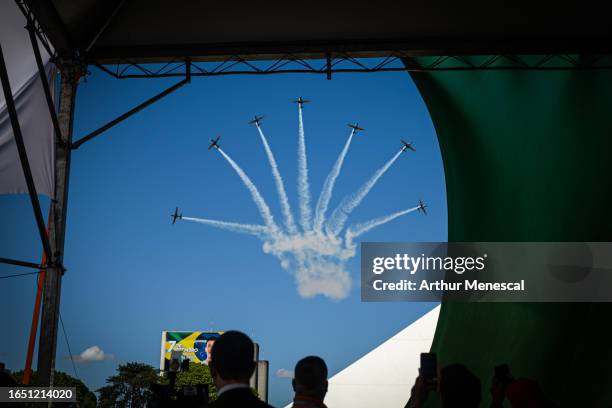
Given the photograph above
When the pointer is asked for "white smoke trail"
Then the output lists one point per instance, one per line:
(341, 213)
(362, 228)
(303, 186)
(316, 258)
(328, 186)
(251, 229)
(264, 210)
(280, 186)
(317, 262)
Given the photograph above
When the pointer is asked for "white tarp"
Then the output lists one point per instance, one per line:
(32, 110)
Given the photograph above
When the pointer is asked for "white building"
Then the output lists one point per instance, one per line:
(383, 377)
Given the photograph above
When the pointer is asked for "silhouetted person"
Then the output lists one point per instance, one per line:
(231, 367)
(458, 388)
(525, 393)
(310, 383)
(6, 380)
(160, 396)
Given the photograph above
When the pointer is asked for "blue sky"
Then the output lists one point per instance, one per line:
(131, 274)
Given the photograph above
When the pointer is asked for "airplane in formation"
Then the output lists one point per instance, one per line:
(256, 119)
(214, 143)
(176, 215)
(355, 127)
(421, 207)
(301, 101)
(407, 146)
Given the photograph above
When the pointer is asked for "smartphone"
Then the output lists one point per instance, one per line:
(429, 368)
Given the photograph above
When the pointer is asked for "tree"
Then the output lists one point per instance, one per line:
(84, 397)
(130, 387)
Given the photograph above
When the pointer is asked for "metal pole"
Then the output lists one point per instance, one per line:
(25, 264)
(57, 231)
(129, 113)
(104, 26)
(43, 78)
(27, 371)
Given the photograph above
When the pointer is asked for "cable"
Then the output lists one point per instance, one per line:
(19, 274)
(76, 374)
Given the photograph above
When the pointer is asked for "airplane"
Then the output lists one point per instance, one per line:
(256, 119)
(421, 207)
(176, 215)
(355, 127)
(301, 101)
(407, 146)
(214, 143)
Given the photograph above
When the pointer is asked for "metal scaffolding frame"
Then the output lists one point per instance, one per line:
(394, 61)
(327, 59)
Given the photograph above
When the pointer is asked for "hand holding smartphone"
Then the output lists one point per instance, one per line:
(429, 368)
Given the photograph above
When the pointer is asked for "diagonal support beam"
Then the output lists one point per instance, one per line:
(134, 110)
(44, 80)
(25, 264)
(38, 31)
(105, 25)
(23, 156)
(52, 25)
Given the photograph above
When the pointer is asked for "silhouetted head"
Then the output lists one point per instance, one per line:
(310, 377)
(525, 393)
(6, 380)
(232, 358)
(459, 387)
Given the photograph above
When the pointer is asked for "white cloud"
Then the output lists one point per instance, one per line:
(93, 353)
(284, 373)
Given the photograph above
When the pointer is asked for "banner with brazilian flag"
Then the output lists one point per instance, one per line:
(192, 345)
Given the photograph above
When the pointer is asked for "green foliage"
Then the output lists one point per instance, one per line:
(198, 374)
(130, 387)
(84, 397)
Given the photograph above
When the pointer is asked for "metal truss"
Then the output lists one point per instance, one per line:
(34, 25)
(345, 63)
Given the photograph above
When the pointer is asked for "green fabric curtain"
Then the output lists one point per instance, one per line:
(527, 157)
